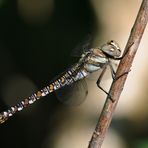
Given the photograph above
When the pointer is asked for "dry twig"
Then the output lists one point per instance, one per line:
(117, 86)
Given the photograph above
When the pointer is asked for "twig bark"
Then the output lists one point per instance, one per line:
(117, 86)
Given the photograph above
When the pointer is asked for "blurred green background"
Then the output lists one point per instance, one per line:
(36, 39)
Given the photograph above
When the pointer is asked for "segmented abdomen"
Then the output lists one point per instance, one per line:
(67, 78)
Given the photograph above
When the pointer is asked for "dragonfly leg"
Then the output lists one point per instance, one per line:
(99, 81)
(111, 67)
(113, 73)
(125, 52)
(125, 73)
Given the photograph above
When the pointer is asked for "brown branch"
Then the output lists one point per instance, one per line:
(117, 86)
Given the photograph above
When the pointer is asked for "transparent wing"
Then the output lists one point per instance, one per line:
(74, 94)
(83, 46)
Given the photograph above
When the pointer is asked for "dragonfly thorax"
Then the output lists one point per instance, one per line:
(111, 49)
(95, 60)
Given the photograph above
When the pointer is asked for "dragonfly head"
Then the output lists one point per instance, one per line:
(111, 49)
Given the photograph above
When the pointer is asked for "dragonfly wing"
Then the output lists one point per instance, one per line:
(85, 45)
(94, 76)
(73, 94)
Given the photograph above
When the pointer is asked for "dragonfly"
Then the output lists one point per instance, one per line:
(91, 60)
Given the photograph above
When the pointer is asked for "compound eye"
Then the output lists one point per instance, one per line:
(112, 49)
